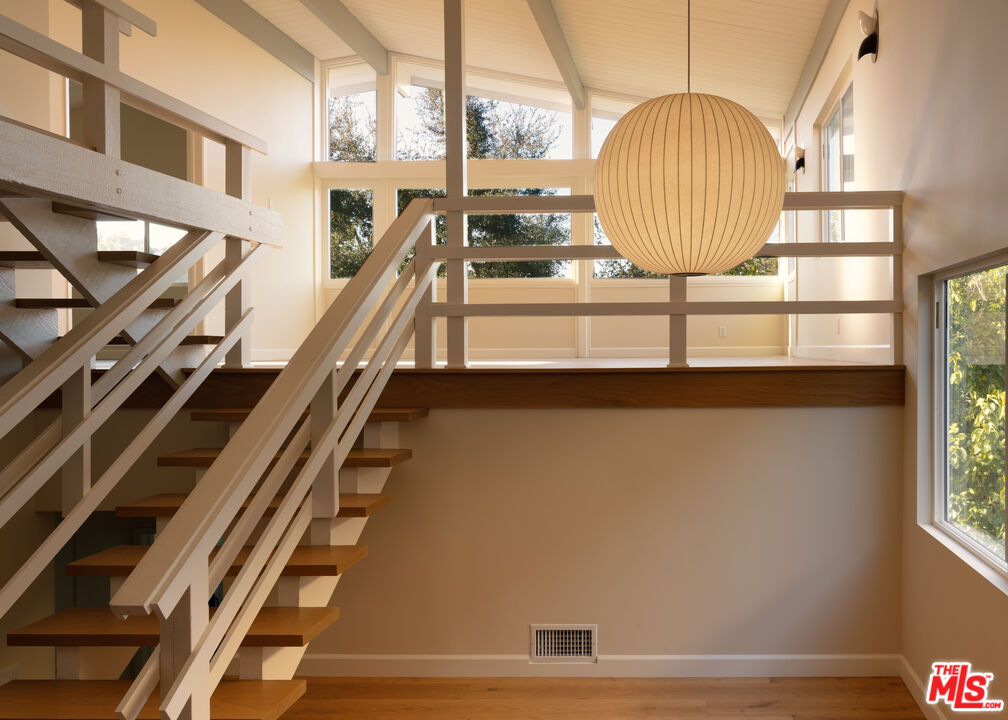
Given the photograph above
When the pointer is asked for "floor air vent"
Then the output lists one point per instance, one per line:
(564, 643)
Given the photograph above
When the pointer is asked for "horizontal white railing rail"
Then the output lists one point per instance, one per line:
(677, 308)
(375, 311)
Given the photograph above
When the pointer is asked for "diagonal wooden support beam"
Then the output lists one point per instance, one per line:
(263, 33)
(352, 31)
(549, 26)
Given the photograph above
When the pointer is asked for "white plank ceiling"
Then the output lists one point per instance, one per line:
(751, 51)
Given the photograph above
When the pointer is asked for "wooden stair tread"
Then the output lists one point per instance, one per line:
(77, 303)
(237, 415)
(366, 457)
(97, 699)
(30, 259)
(167, 504)
(306, 561)
(129, 258)
(100, 627)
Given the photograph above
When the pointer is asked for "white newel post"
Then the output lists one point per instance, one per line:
(237, 183)
(180, 632)
(457, 281)
(424, 323)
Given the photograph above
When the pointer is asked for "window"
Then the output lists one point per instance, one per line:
(838, 162)
(970, 344)
(351, 110)
(506, 230)
(351, 231)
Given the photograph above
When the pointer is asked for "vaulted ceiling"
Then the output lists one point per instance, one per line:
(751, 51)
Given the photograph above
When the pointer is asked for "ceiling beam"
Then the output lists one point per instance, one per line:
(549, 26)
(351, 31)
(823, 40)
(264, 34)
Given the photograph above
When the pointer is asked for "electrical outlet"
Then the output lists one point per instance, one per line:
(722, 331)
(9, 674)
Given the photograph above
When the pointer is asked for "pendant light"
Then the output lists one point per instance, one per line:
(689, 183)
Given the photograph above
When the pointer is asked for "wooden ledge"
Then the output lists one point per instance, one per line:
(788, 386)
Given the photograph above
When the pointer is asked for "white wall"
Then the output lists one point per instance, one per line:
(930, 118)
(679, 531)
(201, 60)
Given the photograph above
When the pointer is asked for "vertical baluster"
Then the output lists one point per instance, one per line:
(424, 323)
(325, 487)
(100, 41)
(457, 281)
(677, 324)
(76, 473)
(237, 183)
(897, 283)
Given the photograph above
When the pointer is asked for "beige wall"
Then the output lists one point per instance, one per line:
(679, 531)
(201, 60)
(930, 121)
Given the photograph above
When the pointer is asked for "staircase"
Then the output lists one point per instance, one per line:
(94, 645)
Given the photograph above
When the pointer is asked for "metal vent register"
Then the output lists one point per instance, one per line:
(564, 643)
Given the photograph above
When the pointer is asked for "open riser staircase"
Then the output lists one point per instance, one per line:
(275, 516)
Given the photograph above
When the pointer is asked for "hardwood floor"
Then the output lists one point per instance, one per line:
(605, 699)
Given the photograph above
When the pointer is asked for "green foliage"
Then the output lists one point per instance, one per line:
(976, 406)
(350, 231)
(352, 130)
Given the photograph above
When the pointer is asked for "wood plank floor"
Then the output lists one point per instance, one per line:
(605, 699)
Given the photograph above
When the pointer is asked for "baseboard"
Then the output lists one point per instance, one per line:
(335, 665)
(917, 689)
(871, 354)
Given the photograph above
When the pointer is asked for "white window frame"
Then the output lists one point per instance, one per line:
(836, 110)
(938, 306)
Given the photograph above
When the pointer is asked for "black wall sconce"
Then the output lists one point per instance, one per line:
(869, 26)
(799, 159)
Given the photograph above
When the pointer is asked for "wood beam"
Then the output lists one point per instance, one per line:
(264, 34)
(130, 16)
(549, 26)
(352, 31)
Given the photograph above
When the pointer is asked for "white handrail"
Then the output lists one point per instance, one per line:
(364, 310)
(158, 581)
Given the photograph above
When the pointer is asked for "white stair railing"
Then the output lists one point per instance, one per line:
(373, 316)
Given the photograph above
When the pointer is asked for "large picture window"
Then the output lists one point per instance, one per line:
(970, 497)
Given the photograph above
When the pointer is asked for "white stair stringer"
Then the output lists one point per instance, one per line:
(70, 243)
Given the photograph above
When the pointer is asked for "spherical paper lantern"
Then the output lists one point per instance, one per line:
(688, 184)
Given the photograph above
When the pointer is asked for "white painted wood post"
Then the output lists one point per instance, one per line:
(583, 225)
(195, 173)
(897, 283)
(237, 183)
(75, 476)
(180, 632)
(457, 280)
(677, 324)
(100, 41)
(385, 117)
(325, 487)
(424, 323)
